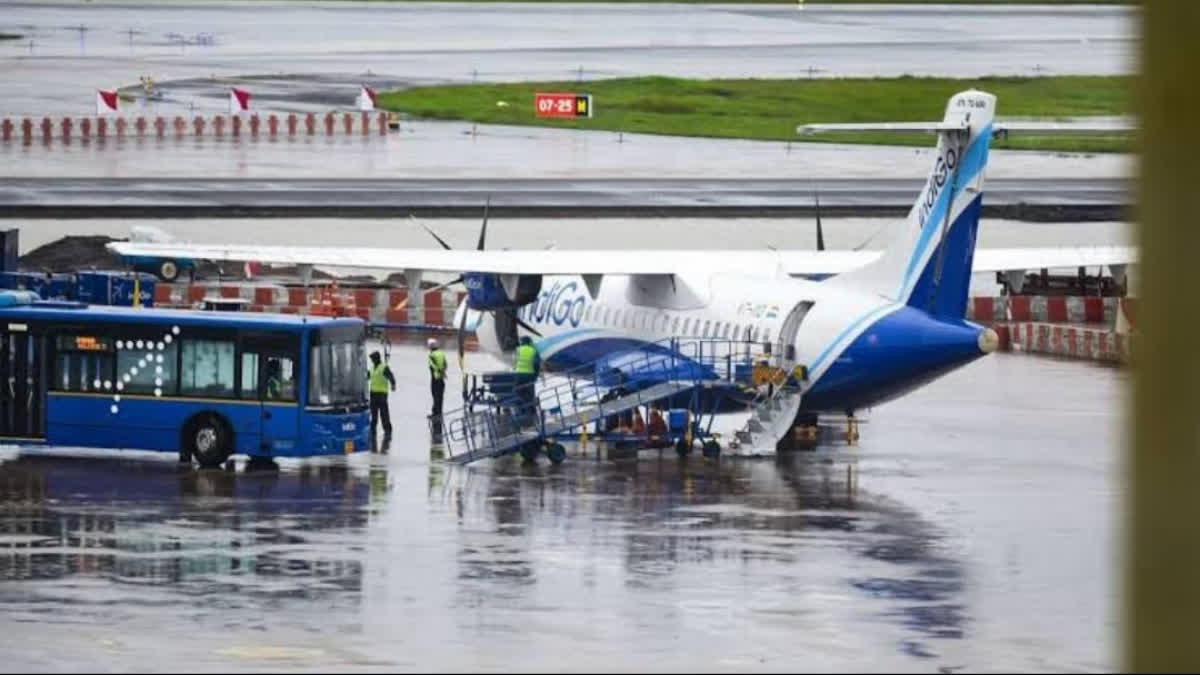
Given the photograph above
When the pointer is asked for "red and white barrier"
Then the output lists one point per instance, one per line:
(1064, 309)
(374, 305)
(1096, 329)
(64, 128)
(1080, 342)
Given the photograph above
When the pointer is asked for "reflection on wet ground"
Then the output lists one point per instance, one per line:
(631, 557)
(971, 529)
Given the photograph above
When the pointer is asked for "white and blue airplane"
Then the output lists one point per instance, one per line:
(879, 323)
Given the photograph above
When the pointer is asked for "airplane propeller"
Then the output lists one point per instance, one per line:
(820, 232)
(462, 323)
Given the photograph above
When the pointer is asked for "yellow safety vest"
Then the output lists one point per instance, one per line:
(525, 354)
(379, 383)
(437, 364)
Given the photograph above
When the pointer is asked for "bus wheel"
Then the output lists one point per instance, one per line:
(209, 440)
(168, 270)
(556, 452)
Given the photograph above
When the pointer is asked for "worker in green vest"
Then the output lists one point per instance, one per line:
(528, 364)
(437, 383)
(379, 377)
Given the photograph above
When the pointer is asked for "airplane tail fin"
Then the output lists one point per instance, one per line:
(927, 263)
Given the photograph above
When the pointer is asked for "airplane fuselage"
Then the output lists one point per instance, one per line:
(860, 349)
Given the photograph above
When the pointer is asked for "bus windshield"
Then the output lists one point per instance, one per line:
(338, 371)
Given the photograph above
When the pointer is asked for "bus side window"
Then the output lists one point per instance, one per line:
(82, 371)
(207, 369)
(276, 381)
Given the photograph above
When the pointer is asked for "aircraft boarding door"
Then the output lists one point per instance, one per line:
(22, 383)
(269, 375)
(786, 344)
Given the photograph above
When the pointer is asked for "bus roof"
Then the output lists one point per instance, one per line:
(68, 312)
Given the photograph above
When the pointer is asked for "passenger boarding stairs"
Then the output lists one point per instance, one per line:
(567, 402)
(771, 419)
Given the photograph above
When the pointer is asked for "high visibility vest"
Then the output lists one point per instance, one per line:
(437, 364)
(379, 383)
(525, 356)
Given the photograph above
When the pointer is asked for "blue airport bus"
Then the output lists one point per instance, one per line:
(205, 384)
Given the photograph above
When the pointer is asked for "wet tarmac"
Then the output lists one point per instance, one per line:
(312, 57)
(973, 529)
(456, 150)
(1047, 199)
(69, 48)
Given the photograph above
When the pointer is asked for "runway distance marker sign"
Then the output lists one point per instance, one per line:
(564, 105)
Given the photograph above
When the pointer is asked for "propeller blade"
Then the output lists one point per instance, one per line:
(529, 328)
(432, 234)
(483, 230)
(820, 232)
(404, 303)
(462, 368)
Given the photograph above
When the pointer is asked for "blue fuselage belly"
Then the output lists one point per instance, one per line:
(898, 353)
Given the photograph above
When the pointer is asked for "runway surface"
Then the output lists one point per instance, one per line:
(312, 57)
(427, 150)
(69, 48)
(974, 529)
(1058, 199)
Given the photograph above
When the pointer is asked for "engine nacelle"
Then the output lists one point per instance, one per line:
(501, 291)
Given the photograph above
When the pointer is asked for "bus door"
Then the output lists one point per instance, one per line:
(22, 382)
(269, 373)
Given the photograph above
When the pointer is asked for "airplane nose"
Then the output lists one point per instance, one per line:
(988, 341)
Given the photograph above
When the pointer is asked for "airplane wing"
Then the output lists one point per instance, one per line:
(999, 129)
(1011, 259)
(642, 262)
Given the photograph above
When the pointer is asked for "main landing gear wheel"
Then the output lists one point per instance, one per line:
(712, 449)
(556, 452)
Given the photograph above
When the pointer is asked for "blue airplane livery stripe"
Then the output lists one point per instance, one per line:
(969, 167)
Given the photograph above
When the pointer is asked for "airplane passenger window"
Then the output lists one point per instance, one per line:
(675, 326)
(706, 332)
(587, 313)
(606, 316)
(645, 320)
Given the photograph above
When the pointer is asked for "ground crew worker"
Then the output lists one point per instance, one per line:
(528, 364)
(380, 377)
(437, 382)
